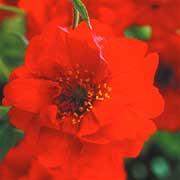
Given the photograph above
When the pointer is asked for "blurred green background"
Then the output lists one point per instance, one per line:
(12, 48)
(160, 158)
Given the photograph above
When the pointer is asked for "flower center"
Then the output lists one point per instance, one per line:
(164, 76)
(79, 95)
(80, 91)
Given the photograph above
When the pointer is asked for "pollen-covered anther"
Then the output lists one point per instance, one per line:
(76, 115)
(99, 98)
(90, 107)
(74, 121)
(81, 109)
(79, 94)
(85, 103)
(103, 92)
(90, 94)
(88, 110)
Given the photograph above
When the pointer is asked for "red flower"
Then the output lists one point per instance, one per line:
(35, 169)
(46, 154)
(92, 98)
(168, 80)
(164, 19)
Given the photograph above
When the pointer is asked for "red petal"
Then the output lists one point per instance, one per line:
(99, 162)
(56, 149)
(30, 94)
(21, 72)
(21, 119)
(51, 58)
(89, 125)
(48, 117)
(124, 55)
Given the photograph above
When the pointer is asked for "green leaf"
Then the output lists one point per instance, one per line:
(3, 113)
(139, 32)
(170, 140)
(81, 8)
(4, 71)
(14, 24)
(12, 9)
(9, 137)
(12, 47)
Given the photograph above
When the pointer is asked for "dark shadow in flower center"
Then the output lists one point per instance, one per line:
(164, 76)
(79, 95)
(72, 100)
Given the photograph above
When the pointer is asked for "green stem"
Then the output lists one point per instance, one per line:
(76, 18)
(23, 39)
(12, 9)
(4, 70)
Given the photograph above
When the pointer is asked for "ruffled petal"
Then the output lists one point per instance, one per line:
(21, 119)
(48, 61)
(99, 162)
(56, 149)
(30, 94)
(48, 117)
(124, 55)
(21, 72)
(89, 125)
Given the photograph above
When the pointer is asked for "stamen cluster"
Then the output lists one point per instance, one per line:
(80, 92)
